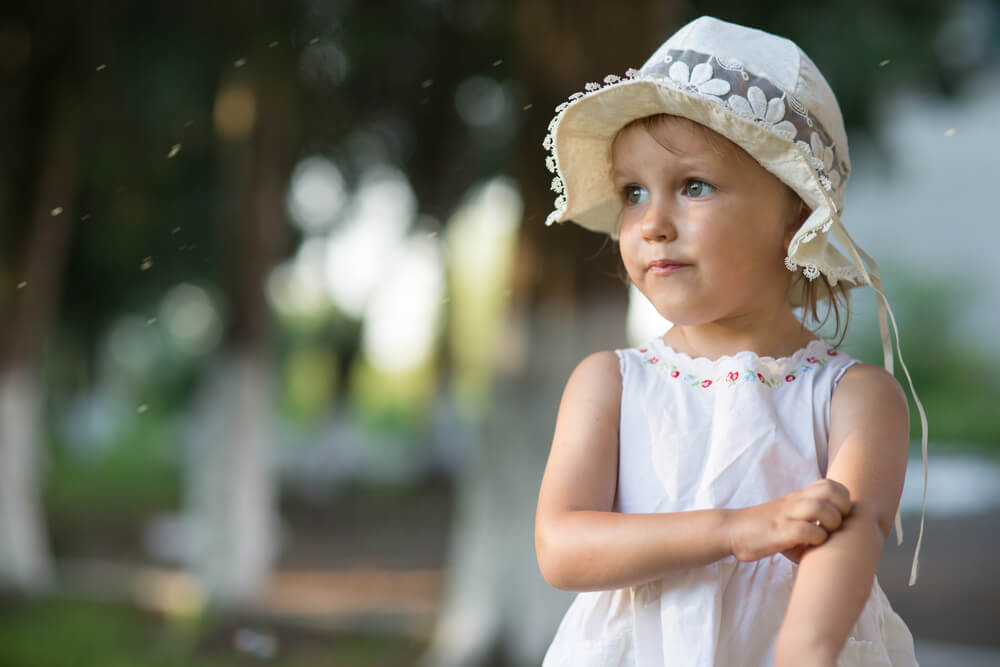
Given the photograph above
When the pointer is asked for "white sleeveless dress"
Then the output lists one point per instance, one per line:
(727, 433)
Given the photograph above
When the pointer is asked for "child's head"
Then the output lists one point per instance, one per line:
(759, 105)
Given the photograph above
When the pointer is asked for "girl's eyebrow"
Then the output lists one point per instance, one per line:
(686, 161)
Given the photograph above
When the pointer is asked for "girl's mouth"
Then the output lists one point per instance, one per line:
(663, 267)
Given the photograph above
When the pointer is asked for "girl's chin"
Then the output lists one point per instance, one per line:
(679, 315)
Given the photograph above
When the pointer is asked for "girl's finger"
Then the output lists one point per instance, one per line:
(809, 533)
(812, 510)
(833, 491)
(830, 517)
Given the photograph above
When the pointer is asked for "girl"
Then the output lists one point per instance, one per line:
(722, 494)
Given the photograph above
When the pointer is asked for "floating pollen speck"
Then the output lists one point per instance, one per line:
(272, 45)
(314, 40)
(142, 408)
(175, 230)
(497, 63)
(56, 211)
(147, 264)
(950, 132)
(151, 321)
(85, 217)
(883, 63)
(427, 83)
(239, 62)
(22, 284)
(174, 150)
(526, 107)
(101, 67)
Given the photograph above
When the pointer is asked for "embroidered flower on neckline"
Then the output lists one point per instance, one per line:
(730, 377)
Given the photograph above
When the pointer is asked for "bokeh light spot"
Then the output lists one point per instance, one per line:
(235, 111)
(316, 194)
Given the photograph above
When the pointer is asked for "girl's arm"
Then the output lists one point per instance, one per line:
(869, 439)
(582, 545)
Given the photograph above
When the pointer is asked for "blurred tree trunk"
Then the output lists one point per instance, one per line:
(497, 607)
(25, 559)
(231, 487)
(566, 304)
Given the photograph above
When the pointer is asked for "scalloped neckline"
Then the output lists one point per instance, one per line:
(742, 355)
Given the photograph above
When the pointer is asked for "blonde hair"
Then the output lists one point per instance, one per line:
(838, 303)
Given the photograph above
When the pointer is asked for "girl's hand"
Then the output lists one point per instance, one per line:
(789, 524)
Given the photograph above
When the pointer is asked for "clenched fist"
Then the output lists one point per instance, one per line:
(789, 524)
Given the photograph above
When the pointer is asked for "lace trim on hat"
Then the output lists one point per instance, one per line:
(834, 274)
(752, 97)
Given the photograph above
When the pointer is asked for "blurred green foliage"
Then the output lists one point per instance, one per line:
(70, 633)
(957, 381)
(373, 82)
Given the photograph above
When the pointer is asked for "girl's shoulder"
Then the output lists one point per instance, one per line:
(862, 382)
(596, 381)
(600, 368)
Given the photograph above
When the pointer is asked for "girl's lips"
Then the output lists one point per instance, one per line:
(663, 267)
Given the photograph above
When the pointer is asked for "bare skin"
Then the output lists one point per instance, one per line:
(725, 223)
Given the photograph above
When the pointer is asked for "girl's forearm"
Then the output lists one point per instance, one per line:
(590, 550)
(831, 588)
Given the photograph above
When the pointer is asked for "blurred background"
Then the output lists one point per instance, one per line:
(282, 333)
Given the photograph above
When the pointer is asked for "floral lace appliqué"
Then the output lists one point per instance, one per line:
(768, 113)
(697, 80)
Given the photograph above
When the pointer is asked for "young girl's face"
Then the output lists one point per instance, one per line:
(705, 228)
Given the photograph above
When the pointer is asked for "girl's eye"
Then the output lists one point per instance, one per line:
(635, 194)
(695, 188)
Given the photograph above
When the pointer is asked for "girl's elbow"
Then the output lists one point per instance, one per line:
(552, 561)
(554, 575)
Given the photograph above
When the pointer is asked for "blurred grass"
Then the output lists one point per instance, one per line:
(137, 472)
(97, 501)
(69, 633)
(58, 633)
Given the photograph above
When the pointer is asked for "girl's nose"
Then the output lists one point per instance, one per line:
(657, 223)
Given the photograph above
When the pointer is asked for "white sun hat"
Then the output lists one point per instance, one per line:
(763, 93)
